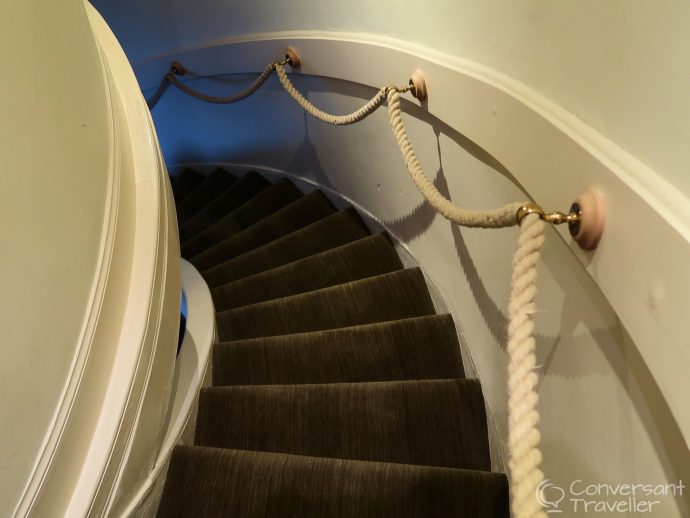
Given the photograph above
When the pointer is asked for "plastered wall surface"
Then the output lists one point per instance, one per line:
(53, 199)
(619, 65)
(616, 65)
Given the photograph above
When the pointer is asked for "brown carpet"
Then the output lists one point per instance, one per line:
(238, 193)
(212, 187)
(337, 390)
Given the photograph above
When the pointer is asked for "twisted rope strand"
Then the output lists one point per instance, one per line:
(162, 87)
(336, 120)
(172, 78)
(501, 217)
(496, 218)
(523, 416)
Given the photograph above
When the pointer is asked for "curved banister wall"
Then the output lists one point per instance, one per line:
(485, 139)
(91, 303)
(56, 192)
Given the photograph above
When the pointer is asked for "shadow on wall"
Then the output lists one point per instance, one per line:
(590, 342)
(202, 134)
(581, 330)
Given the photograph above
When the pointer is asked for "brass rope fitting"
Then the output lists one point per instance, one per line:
(526, 210)
(292, 57)
(573, 218)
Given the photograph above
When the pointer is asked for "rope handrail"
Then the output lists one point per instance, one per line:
(336, 120)
(585, 220)
(171, 77)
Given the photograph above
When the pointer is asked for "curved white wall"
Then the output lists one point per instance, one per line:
(604, 419)
(89, 312)
(619, 65)
(55, 184)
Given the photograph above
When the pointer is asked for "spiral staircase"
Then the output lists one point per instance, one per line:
(337, 389)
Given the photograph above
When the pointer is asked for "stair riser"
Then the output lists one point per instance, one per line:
(411, 349)
(298, 214)
(373, 256)
(432, 423)
(330, 232)
(212, 187)
(261, 206)
(241, 191)
(185, 183)
(209, 482)
(388, 297)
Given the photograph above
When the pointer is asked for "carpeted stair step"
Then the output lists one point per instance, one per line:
(332, 231)
(425, 422)
(184, 183)
(241, 191)
(260, 206)
(391, 296)
(409, 349)
(212, 186)
(213, 483)
(300, 213)
(367, 257)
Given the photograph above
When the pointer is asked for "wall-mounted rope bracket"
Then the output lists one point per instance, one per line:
(418, 85)
(585, 219)
(292, 58)
(573, 218)
(177, 68)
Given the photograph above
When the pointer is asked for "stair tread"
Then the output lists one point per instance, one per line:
(367, 257)
(184, 183)
(332, 231)
(211, 482)
(300, 213)
(415, 348)
(233, 197)
(391, 296)
(259, 207)
(425, 422)
(211, 187)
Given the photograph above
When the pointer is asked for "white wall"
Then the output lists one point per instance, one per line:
(54, 155)
(617, 65)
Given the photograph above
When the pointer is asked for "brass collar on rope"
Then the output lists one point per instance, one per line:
(573, 218)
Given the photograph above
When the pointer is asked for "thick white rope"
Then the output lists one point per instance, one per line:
(495, 218)
(337, 120)
(523, 415)
(172, 78)
(523, 440)
(501, 217)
